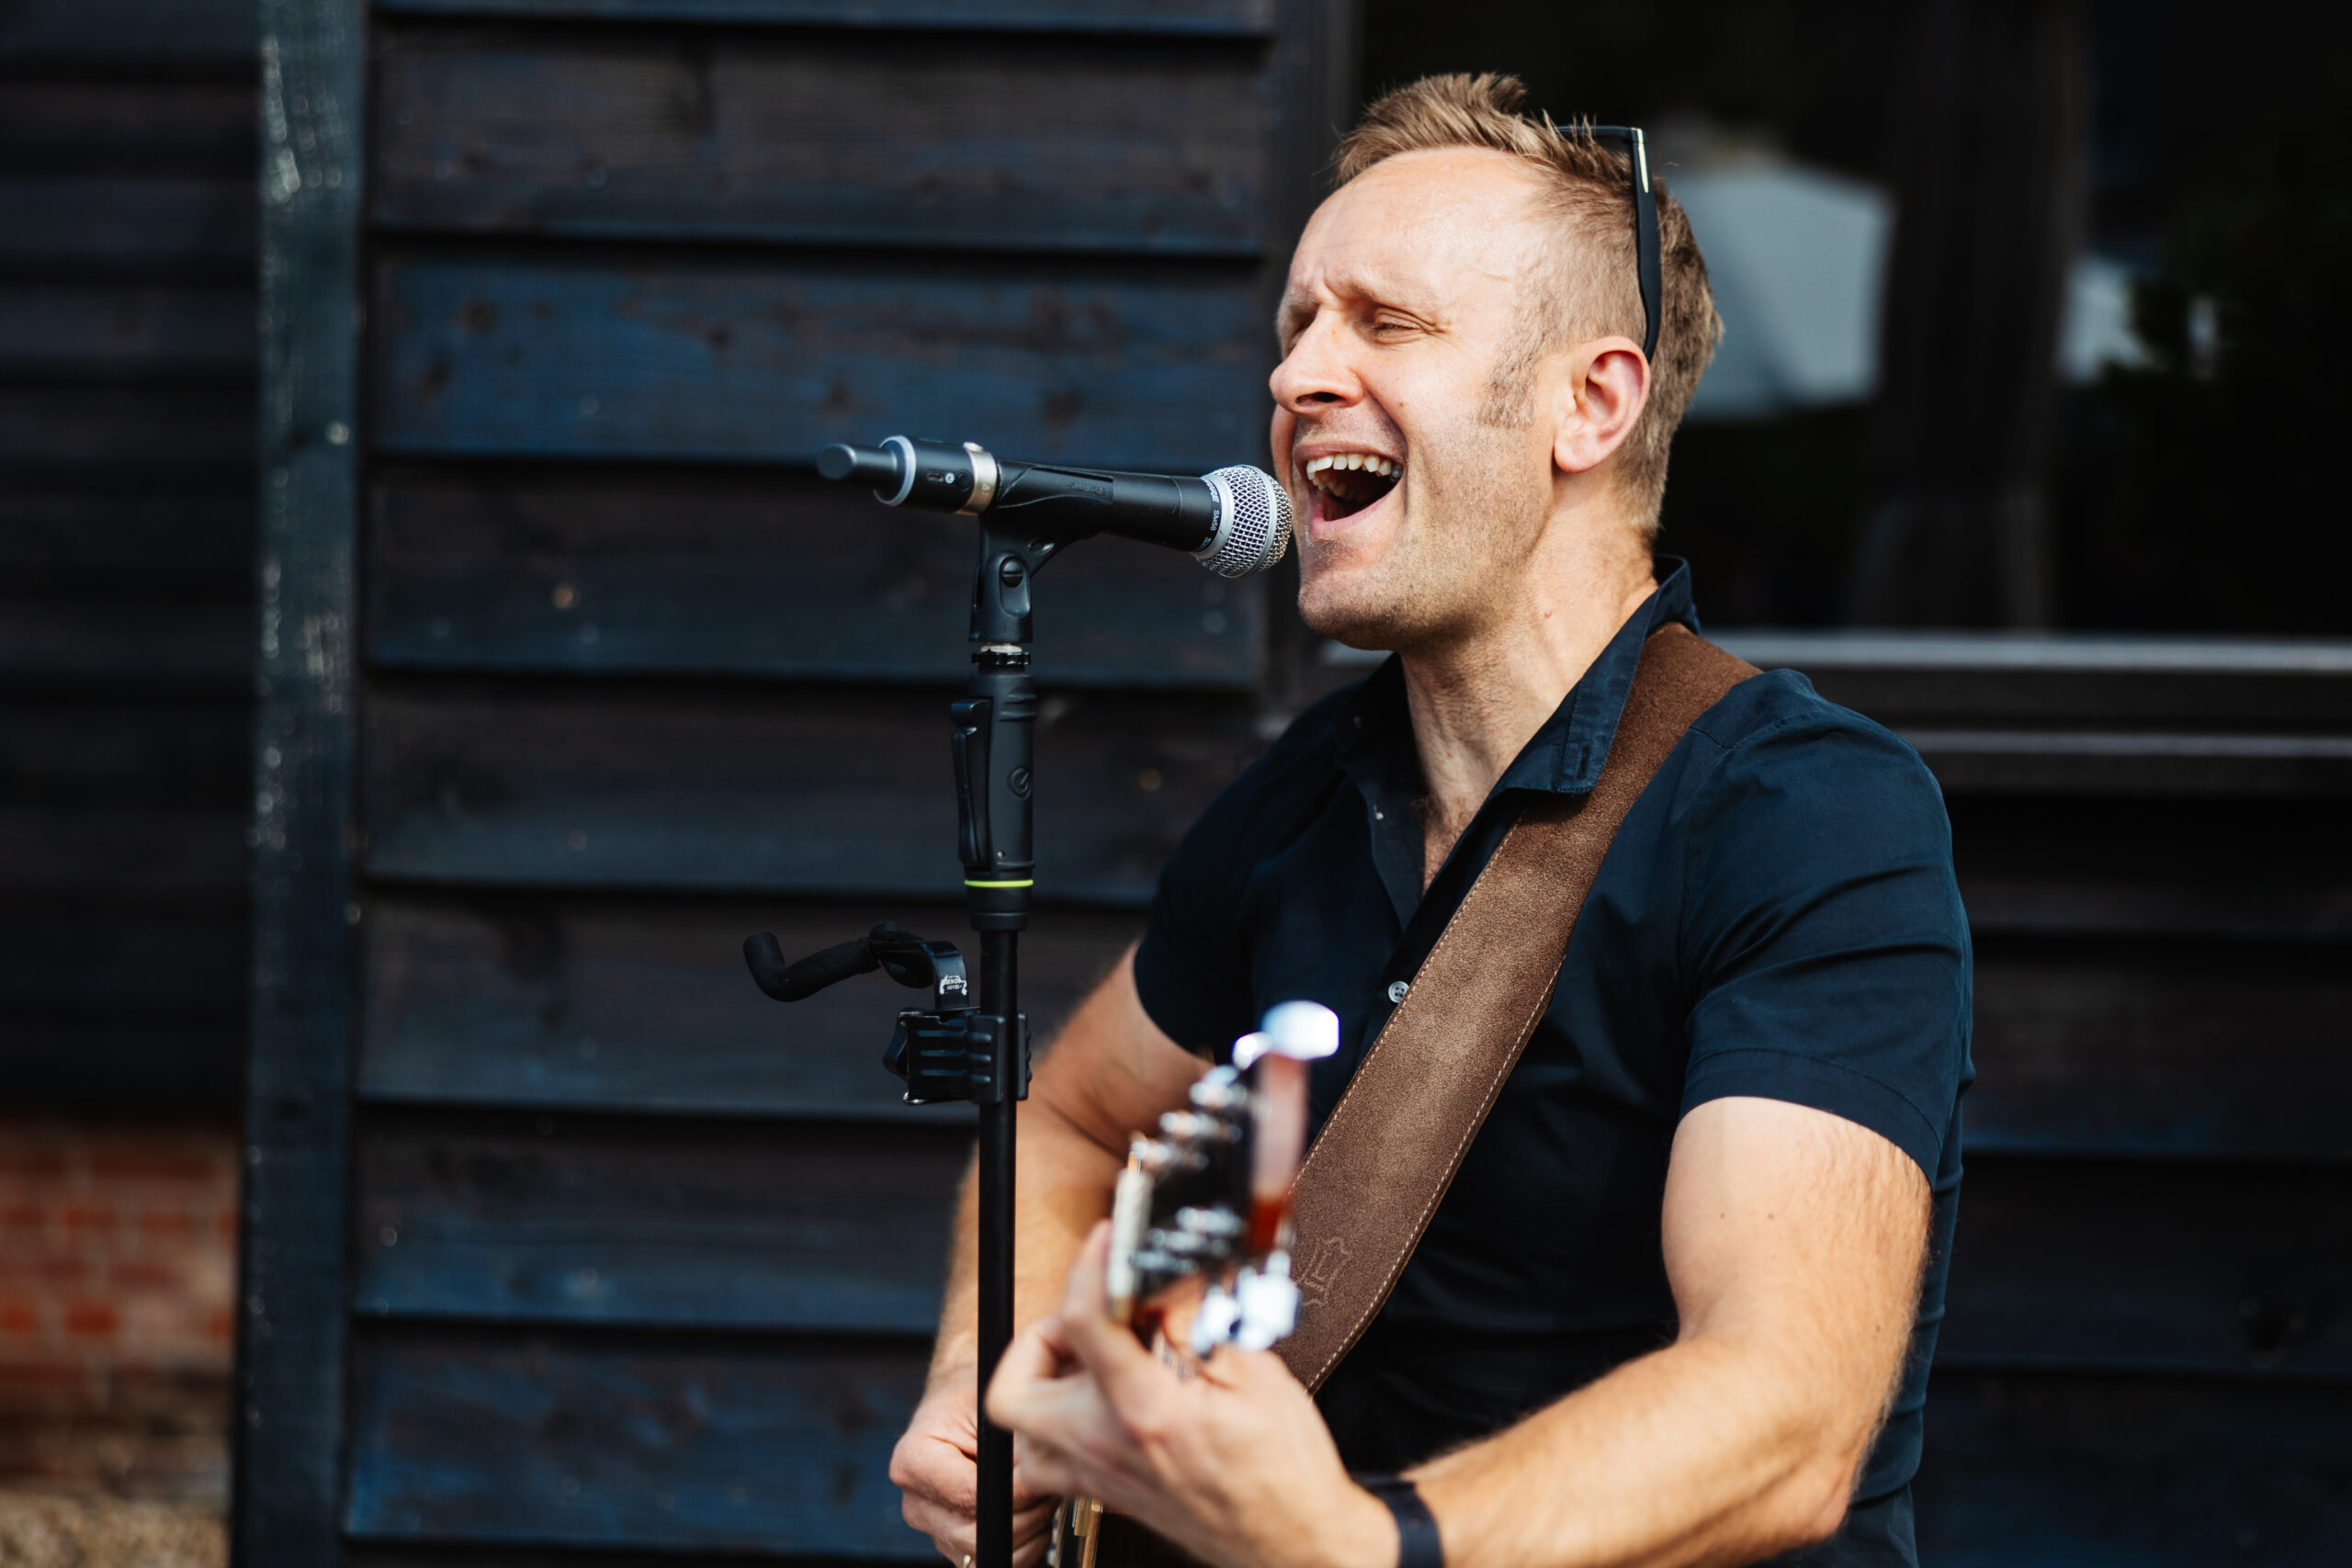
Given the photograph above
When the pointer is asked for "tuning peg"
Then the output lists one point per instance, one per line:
(1303, 1032)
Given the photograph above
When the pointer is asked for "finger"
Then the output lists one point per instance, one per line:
(935, 1470)
(1056, 1338)
(952, 1544)
(1027, 1552)
(939, 1487)
(1127, 1372)
(1028, 1488)
(1047, 1469)
(1024, 1374)
(955, 1536)
(952, 1533)
(1228, 1366)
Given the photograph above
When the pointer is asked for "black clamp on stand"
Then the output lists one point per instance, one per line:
(959, 1049)
(944, 1053)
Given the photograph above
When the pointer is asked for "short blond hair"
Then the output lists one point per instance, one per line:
(1590, 191)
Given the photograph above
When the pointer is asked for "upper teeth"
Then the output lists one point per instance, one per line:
(1364, 460)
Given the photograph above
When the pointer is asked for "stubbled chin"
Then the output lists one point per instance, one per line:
(1347, 589)
(1347, 611)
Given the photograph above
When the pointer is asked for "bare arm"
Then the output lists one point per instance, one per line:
(1793, 1242)
(1111, 1072)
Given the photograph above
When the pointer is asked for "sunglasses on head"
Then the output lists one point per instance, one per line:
(1645, 242)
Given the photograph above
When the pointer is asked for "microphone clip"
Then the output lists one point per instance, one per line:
(1001, 596)
(949, 1051)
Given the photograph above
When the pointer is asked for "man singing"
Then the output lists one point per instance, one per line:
(1678, 1304)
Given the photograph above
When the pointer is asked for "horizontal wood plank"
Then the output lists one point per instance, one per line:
(140, 126)
(109, 1006)
(198, 434)
(2198, 1049)
(2029, 1470)
(794, 1225)
(2078, 715)
(2208, 1269)
(495, 790)
(216, 35)
(781, 576)
(770, 1448)
(83, 960)
(169, 228)
(828, 138)
(78, 752)
(2162, 1047)
(2135, 1266)
(2105, 764)
(1143, 367)
(177, 856)
(142, 331)
(1249, 18)
(189, 547)
(2275, 870)
(646, 1006)
(2116, 859)
(126, 644)
(95, 1065)
(2100, 680)
(830, 792)
(539, 1441)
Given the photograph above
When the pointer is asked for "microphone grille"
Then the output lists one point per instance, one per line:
(1253, 523)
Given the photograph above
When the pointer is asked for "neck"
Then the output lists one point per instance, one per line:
(1478, 699)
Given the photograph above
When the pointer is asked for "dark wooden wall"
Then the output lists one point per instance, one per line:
(126, 549)
(563, 1240)
(564, 1245)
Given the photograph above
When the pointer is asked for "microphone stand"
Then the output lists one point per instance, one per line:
(954, 1050)
(1235, 521)
(992, 739)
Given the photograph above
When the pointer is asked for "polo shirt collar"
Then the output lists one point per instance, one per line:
(1564, 757)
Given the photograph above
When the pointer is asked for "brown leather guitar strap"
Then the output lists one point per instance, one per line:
(1384, 1160)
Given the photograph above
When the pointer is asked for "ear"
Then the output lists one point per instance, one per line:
(1607, 385)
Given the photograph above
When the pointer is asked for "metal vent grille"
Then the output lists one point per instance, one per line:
(1252, 525)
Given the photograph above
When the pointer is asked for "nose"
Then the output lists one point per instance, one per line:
(1314, 376)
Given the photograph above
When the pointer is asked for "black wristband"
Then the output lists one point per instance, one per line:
(1418, 1545)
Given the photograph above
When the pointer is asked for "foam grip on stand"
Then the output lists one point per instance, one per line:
(790, 983)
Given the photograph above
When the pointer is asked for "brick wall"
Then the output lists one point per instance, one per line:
(117, 1279)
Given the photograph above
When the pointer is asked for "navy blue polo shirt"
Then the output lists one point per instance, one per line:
(1777, 917)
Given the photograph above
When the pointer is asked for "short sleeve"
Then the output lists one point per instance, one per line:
(1823, 933)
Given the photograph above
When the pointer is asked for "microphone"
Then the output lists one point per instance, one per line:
(1235, 522)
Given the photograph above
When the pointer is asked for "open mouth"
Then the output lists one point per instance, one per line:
(1347, 482)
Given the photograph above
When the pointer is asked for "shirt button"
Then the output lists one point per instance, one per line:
(1397, 989)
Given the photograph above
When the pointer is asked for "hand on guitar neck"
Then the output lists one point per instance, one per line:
(1199, 1248)
(1110, 1071)
(1195, 1254)
(1194, 1259)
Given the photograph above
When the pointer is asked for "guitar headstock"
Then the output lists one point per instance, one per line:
(1200, 1223)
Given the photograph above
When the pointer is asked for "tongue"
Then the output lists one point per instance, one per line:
(1349, 490)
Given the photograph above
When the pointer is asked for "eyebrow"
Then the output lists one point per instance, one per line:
(1289, 314)
(1347, 286)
